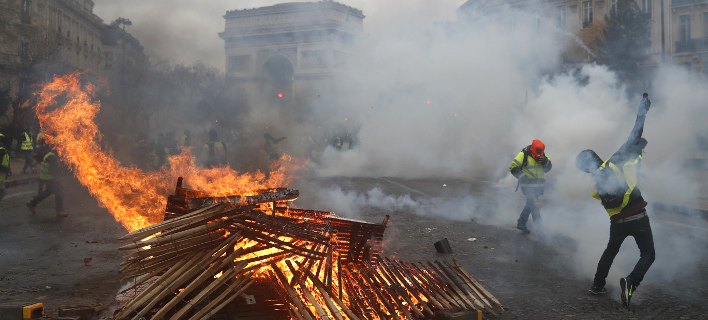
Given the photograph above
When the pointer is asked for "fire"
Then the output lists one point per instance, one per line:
(135, 198)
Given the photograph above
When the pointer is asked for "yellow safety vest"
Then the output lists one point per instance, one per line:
(27, 144)
(5, 162)
(533, 169)
(628, 175)
(38, 141)
(45, 172)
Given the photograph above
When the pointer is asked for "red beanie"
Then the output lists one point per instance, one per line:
(537, 148)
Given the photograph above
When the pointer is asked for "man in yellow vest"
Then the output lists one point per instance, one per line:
(50, 169)
(28, 149)
(4, 167)
(529, 167)
(616, 187)
(214, 151)
(186, 140)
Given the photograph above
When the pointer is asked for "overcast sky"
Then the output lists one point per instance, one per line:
(187, 30)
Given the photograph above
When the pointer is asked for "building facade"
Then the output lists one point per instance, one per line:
(47, 37)
(678, 28)
(284, 50)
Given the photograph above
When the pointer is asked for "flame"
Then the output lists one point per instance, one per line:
(135, 198)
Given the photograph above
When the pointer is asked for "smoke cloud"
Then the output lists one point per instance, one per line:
(186, 31)
(440, 101)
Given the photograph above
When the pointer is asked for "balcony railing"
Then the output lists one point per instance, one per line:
(692, 45)
(680, 3)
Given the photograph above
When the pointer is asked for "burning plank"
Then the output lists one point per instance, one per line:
(298, 264)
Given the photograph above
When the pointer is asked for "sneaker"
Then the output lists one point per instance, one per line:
(595, 289)
(61, 214)
(523, 229)
(31, 207)
(628, 289)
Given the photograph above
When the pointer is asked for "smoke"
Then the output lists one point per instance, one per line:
(492, 90)
(186, 31)
(441, 101)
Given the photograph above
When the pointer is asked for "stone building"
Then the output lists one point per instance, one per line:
(287, 51)
(679, 28)
(47, 37)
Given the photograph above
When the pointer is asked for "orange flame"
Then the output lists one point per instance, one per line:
(135, 198)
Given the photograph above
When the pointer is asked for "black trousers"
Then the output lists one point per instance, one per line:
(640, 229)
(51, 187)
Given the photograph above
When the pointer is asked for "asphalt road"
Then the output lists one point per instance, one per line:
(44, 258)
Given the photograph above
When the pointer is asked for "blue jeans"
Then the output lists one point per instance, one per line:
(640, 229)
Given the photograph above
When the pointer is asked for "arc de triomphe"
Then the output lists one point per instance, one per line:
(282, 53)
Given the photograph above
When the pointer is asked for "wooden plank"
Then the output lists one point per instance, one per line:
(374, 305)
(327, 293)
(207, 274)
(479, 287)
(228, 294)
(442, 273)
(209, 289)
(291, 292)
(457, 285)
(320, 311)
(152, 229)
(172, 237)
(486, 306)
(390, 289)
(402, 292)
(405, 277)
(437, 288)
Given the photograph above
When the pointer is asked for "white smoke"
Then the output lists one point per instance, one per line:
(492, 90)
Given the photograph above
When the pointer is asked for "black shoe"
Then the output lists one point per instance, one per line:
(595, 289)
(628, 289)
(523, 229)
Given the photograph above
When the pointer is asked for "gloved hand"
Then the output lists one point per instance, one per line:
(644, 104)
(542, 159)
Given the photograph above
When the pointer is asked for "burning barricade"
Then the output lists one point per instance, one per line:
(287, 263)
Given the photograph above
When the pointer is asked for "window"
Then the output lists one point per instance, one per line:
(684, 42)
(536, 21)
(25, 49)
(684, 28)
(587, 13)
(705, 24)
(560, 17)
(26, 16)
(613, 5)
(646, 7)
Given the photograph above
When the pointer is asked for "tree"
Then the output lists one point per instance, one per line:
(626, 39)
(584, 47)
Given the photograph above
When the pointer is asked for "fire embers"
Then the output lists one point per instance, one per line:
(287, 264)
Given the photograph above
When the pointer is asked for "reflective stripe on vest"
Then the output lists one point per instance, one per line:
(533, 168)
(27, 144)
(5, 163)
(629, 180)
(45, 172)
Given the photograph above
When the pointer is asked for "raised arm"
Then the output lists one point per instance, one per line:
(638, 129)
(635, 143)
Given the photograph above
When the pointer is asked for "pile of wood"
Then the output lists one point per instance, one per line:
(283, 263)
